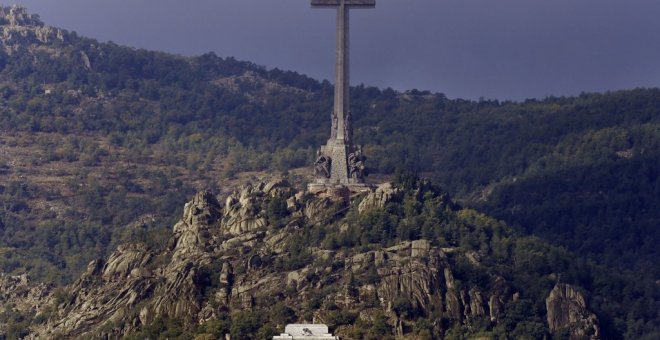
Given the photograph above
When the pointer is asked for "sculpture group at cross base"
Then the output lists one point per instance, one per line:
(356, 167)
(348, 127)
(322, 166)
(356, 164)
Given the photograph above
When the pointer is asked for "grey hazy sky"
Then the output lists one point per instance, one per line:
(504, 49)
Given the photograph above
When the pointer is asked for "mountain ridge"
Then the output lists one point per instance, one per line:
(102, 144)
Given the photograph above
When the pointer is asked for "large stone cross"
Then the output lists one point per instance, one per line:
(341, 117)
(339, 161)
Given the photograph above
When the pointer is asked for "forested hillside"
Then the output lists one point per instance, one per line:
(103, 143)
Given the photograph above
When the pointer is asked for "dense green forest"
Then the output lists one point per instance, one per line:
(129, 130)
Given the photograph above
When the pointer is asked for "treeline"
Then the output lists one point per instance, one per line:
(150, 97)
(56, 245)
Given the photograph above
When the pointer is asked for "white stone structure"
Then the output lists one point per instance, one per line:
(305, 332)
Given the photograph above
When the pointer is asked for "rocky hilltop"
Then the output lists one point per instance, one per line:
(285, 255)
(20, 28)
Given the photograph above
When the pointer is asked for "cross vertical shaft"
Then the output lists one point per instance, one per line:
(342, 81)
(340, 162)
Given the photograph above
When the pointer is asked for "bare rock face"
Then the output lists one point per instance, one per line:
(242, 212)
(567, 310)
(129, 260)
(102, 302)
(191, 234)
(420, 275)
(106, 293)
(411, 277)
(179, 295)
(497, 299)
(476, 305)
(18, 293)
(20, 27)
(278, 188)
(317, 210)
(383, 194)
(18, 16)
(454, 306)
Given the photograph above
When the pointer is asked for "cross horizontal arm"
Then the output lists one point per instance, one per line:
(349, 3)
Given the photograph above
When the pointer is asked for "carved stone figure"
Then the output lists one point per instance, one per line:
(355, 165)
(335, 121)
(322, 166)
(348, 128)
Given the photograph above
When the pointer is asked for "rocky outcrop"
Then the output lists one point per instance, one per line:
(498, 296)
(20, 27)
(567, 311)
(18, 289)
(191, 235)
(415, 278)
(18, 16)
(172, 284)
(231, 258)
(421, 277)
(19, 294)
(414, 273)
(128, 261)
(319, 210)
(184, 278)
(107, 294)
(454, 308)
(242, 212)
(383, 194)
